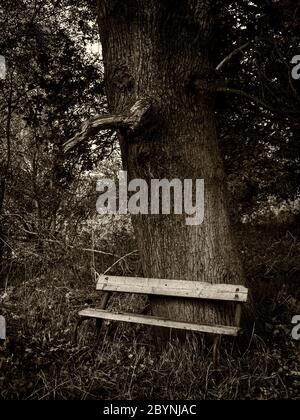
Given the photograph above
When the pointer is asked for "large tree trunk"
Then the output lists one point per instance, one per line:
(160, 50)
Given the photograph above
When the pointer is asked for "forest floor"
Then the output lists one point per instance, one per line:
(41, 360)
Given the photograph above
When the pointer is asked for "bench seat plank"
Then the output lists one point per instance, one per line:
(158, 322)
(174, 288)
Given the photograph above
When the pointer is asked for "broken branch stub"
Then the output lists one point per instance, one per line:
(92, 127)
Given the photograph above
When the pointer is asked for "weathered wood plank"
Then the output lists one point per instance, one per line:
(159, 322)
(175, 288)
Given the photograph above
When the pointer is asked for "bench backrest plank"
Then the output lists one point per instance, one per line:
(174, 288)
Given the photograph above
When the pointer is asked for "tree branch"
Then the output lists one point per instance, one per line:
(232, 54)
(257, 101)
(92, 127)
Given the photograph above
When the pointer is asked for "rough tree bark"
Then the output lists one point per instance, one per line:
(160, 51)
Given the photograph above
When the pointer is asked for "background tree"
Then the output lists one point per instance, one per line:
(50, 88)
(261, 101)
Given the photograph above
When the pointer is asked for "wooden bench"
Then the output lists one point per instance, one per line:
(172, 288)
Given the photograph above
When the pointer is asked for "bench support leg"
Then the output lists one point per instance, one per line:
(103, 305)
(216, 349)
(238, 315)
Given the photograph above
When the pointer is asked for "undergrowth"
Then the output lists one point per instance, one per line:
(41, 359)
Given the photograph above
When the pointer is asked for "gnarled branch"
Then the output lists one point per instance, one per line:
(92, 127)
